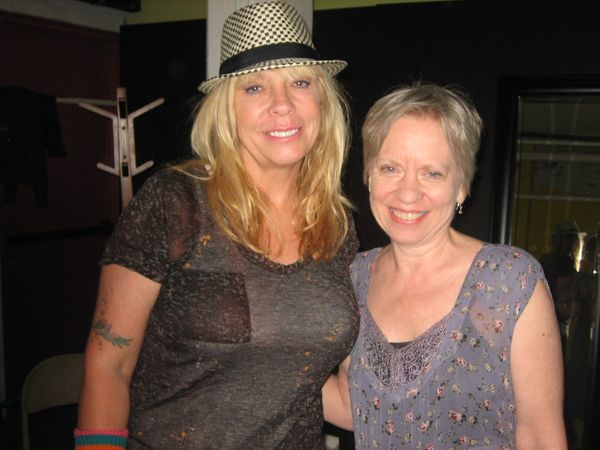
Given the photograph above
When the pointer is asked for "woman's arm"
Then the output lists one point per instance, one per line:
(336, 398)
(537, 375)
(125, 300)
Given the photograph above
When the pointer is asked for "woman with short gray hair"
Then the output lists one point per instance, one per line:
(458, 344)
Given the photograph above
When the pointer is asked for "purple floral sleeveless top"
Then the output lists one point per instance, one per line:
(450, 388)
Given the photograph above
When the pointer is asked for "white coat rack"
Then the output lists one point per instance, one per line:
(125, 165)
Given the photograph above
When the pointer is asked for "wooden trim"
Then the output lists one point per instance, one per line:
(54, 26)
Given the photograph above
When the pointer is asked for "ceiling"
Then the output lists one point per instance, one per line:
(123, 5)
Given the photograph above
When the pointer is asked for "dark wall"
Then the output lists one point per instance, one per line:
(165, 60)
(50, 249)
(472, 43)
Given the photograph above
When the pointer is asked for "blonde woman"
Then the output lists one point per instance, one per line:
(225, 299)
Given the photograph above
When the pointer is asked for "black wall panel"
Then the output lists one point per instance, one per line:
(471, 43)
(163, 60)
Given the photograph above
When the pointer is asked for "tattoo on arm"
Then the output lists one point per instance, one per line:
(102, 329)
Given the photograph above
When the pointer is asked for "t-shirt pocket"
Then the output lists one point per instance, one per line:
(205, 306)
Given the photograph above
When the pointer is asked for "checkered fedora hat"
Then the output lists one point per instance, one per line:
(264, 36)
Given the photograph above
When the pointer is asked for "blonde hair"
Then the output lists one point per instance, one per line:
(451, 106)
(240, 209)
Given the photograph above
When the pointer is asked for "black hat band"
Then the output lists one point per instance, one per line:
(265, 53)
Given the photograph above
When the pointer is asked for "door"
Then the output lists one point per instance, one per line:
(549, 205)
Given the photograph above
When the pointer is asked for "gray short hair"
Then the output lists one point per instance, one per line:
(456, 113)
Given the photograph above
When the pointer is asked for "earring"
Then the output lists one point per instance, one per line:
(369, 184)
(459, 208)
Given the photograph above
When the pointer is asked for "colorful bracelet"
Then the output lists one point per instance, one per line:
(100, 439)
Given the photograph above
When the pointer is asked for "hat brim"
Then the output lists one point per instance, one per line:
(332, 67)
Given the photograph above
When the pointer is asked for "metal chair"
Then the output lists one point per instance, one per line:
(56, 381)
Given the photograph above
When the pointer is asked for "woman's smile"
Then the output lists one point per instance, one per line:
(284, 134)
(407, 216)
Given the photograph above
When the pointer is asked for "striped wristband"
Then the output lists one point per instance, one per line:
(100, 439)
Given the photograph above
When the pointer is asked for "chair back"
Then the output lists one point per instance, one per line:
(56, 381)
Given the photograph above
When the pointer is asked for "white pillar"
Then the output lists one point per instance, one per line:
(218, 10)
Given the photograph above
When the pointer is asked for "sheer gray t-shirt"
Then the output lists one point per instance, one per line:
(237, 347)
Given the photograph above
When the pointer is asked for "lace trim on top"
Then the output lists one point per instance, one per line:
(394, 366)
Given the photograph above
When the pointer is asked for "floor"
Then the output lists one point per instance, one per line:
(339, 439)
(49, 430)
(53, 430)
